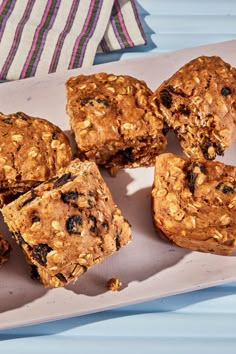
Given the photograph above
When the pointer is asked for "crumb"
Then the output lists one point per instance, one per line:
(114, 284)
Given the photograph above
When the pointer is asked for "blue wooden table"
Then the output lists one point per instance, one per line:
(202, 321)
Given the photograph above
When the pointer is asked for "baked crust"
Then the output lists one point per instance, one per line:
(198, 103)
(67, 224)
(194, 203)
(31, 151)
(112, 121)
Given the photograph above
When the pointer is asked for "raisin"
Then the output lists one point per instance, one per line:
(34, 272)
(166, 129)
(202, 167)
(218, 186)
(219, 150)
(91, 203)
(170, 88)
(7, 120)
(103, 101)
(166, 98)
(225, 91)
(191, 177)
(86, 100)
(93, 227)
(227, 189)
(204, 147)
(105, 225)
(18, 237)
(118, 245)
(63, 179)
(35, 219)
(68, 196)
(39, 253)
(51, 180)
(127, 154)
(61, 277)
(73, 224)
(54, 135)
(30, 199)
(184, 110)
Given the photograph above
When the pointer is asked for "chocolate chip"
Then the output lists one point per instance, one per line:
(127, 154)
(63, 179)
(30, 199)
(39, 253)
(68, 196)
(73, 224)
(61, 277)
(166, 98)
(225, 91)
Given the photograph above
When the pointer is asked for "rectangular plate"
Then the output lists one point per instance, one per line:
(148, 267)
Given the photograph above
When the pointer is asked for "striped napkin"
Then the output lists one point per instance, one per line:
(45, 36)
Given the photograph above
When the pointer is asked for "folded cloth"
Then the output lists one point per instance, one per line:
(45, 36)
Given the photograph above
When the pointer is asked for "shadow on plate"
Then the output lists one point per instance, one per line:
(17, 288)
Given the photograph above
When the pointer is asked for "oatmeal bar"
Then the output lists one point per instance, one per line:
(68, 224)
(112, 120)
(198, 103)
(4, 250)
(194, 203)
(31, 151)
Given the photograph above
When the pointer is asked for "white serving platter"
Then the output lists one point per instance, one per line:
(148, 267)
